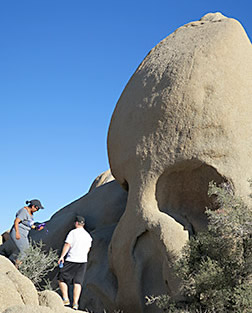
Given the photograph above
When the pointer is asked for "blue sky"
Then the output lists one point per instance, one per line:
(63, 66)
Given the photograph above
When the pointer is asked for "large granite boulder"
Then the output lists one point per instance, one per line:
(184, 119)
(15, 289)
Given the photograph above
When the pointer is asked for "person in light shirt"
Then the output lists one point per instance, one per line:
(72, 268)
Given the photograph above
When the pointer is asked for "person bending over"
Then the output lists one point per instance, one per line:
(77, 245)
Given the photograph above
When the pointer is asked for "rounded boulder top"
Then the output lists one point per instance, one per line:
(190, 98)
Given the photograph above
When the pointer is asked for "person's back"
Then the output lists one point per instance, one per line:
(72, 270)
(80, 242)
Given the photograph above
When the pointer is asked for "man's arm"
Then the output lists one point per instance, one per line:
(65, 249)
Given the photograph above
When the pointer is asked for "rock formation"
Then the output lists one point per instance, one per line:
(102, 179)
(184, 119)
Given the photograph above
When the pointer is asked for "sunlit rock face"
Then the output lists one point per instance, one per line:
(102, 179)
(183, 120)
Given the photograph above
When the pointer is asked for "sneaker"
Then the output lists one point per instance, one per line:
(75, 306)
(66, 301)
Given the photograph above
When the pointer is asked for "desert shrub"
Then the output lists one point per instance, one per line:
(216, 265)
(37, 263)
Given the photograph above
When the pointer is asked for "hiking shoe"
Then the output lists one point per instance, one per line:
(66, 301)
(75, 306)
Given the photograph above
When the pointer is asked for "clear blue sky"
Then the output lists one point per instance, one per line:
(63, 66)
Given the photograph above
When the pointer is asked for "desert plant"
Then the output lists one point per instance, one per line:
(36, 263)
(216, 265)
(46, 284)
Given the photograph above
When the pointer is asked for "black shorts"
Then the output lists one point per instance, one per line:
(72, 273)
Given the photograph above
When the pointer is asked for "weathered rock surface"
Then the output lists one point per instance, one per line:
(51, 300)
(102, 179)
(15, 289)
(184, 119)
(18, 294)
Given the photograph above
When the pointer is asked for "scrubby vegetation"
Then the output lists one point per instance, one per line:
(216, 265)
(37, 263)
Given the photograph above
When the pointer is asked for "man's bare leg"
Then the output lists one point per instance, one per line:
(63, 289)
(76, 293)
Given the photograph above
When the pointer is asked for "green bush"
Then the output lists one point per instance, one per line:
(37, 263)
(216, 265)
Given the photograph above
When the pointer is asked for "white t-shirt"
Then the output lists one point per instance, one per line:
(80, 242)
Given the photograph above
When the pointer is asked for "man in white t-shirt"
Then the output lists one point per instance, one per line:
(72, 268)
